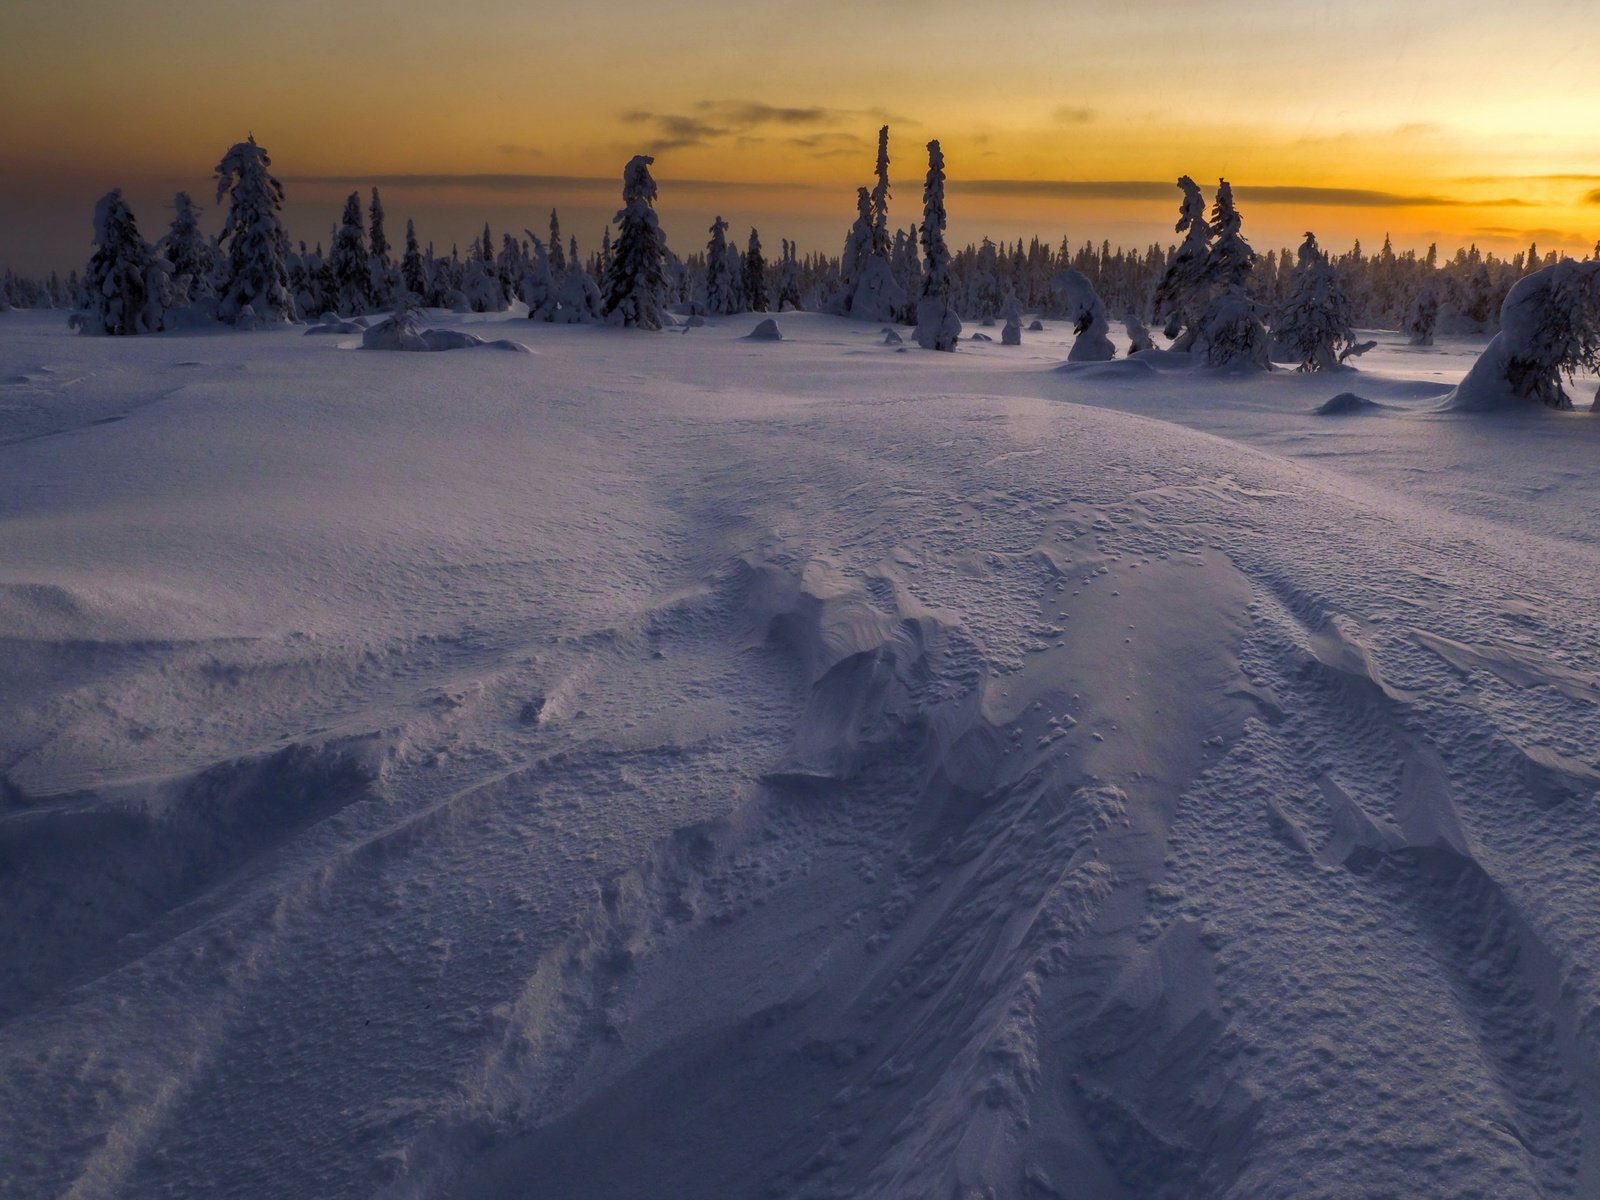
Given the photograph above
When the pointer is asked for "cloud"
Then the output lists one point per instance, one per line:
(1069, 115)
(743, 120)
(520, 184)
(1592, 197)
(1141, 189)
(511, 149)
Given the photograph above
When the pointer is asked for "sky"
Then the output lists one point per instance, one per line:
(1449, 121)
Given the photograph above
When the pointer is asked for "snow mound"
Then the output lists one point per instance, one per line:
(401, 332)
(891, 338)
(1036, 327)
(335, 326)
(981, 337)
(767, 331)
(1117, 368)
(1347, 404)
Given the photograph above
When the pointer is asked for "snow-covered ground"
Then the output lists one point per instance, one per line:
(680, 766)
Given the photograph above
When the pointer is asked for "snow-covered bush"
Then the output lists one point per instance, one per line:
(1423, 318)
(126, 287)
(1231, 333)
(539, 286)
(938, 327)
(580, 299)
(1011, 335)
(1549, 327)
(255, 273)
(1312, 327)
(1139, 339)
(1088, 316)
(635, 282)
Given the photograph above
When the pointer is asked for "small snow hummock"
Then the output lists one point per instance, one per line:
(402, 332)
(1347, 404)
(767, 331)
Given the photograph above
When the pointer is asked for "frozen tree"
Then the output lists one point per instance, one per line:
(255, 273)
(579, 297)
(125, 286)
(755, 275)
(1011, 335)
(938, 327)
(1088, 316)
(635, 280)
(722, 284)
(857, 254)
(347, 259)
(413, 277)
(1231, 329)
(189, 252)
(788, 284)
(1549, 327)
(1138, 336)
(480, 289)
(1423, 318)
(558, 258)
(538, 285)
(381, 267)
(1313, 324)
(1181, 295)
(881, 245)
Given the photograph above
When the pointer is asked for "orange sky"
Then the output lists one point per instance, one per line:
(1451, 122)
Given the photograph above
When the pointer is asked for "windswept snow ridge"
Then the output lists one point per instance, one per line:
(674, 770)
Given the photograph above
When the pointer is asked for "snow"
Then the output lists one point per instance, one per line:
(668, 766)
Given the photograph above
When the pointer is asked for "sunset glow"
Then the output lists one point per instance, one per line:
(1356, 119)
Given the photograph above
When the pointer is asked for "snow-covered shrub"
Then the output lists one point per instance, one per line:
(538, 288)
(579, 299)
(1549, 327)
(1231, 333)
(1312, 327)
(635, 282)
(1088, 316)
(1011, 335)
(938, 327)
(126, 285)
(1139, 339)
(256, 272)
(1423, 318)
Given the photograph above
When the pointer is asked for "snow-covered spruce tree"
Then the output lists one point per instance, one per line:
(347, 259)
(1181, 296)
(1138, 336)
(881, 244)
(788, 287)
(189, 252)
(579, 296)
(1549, 327)
(1011, 335)
(380, 266)
(1423, 318)
(413, 275)
(1082, 306)
(938, 327)
(871, 291)
(1232, 331)
(126, 284)
(558, 256)
(721, 285)
(538, 286)
(1313, 324)
(755, 275)
(635, 281)
(857, 253)
(255, 273)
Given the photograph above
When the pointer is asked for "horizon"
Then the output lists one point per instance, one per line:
(1411, 125)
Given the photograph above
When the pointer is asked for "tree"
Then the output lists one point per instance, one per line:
(788, 288)
(938, 327)
(538, 285)
(1181, 295)
(381, 281)
(635, 280)
(189, 252)
(347, 259)
(721, 284)
(1088, 316)
(125, 285)
(413, 277)
(558, 258)
(256, 274)
(1231, 332)
(880, 199)
(1549, 327)
(1313, 324)
(755, 275)
(1423, 318)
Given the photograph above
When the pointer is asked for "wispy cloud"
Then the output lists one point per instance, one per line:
(743, 120)
(1069, 115)
(523, 184)
(1147, 189)
(513, 150)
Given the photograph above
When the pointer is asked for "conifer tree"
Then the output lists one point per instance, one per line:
(1181, 295)
(880, 199)
(558, 257)
(1313, 324)
(635, 280)
(125, 284)
(938, 327)
(413, 277)
(256, 273)
(189, 252)
(352, 273)
(380, 267)
(788, 288)
(722, 293)
(755, 275)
